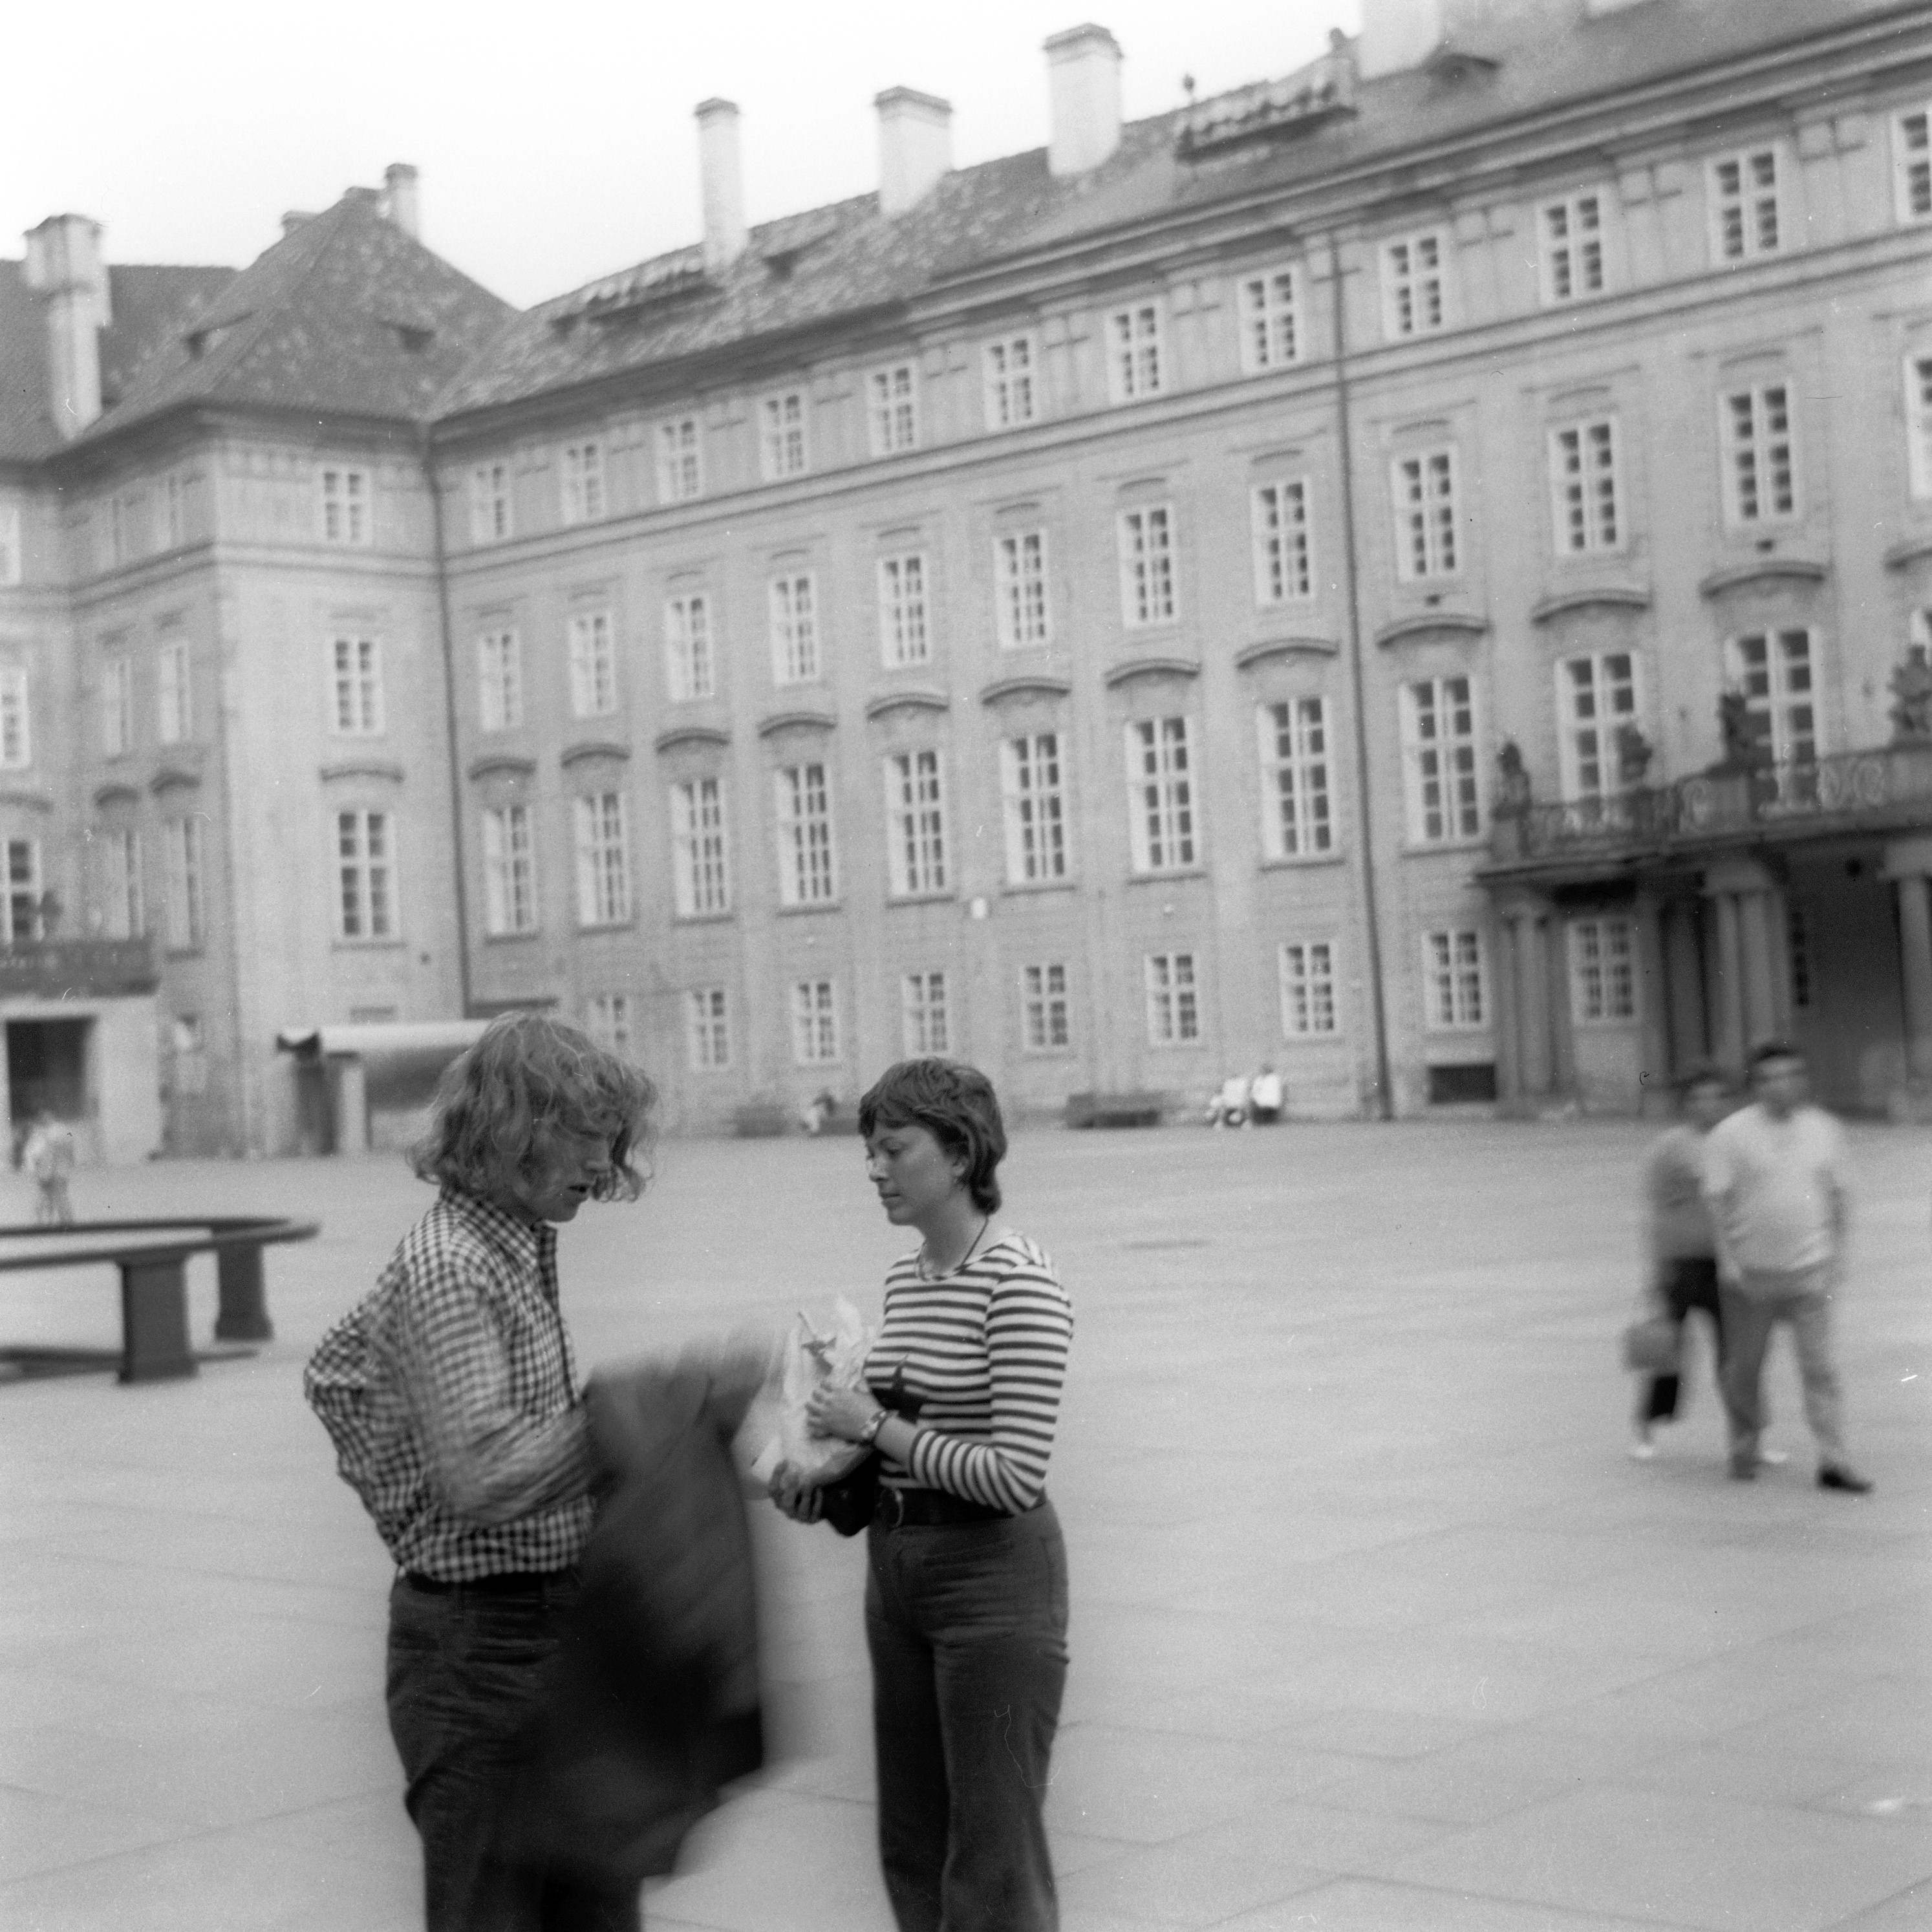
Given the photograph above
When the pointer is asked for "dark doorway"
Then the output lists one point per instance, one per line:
(47, 1069)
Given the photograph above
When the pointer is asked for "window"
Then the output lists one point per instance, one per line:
(173, 703)
(1773, 669)
(1307, 970)
(603, 860)
(606, 1019)
(1284, 572)
(903, 637)
(1019, 566)
(1173, 1014)
(1760, 469)
(808, 868)
(1911, 160)
(1160, 788)
(1147, 566)
(707, 1030)
(690, 667)
(1918, 423)
(1270, 335)
(356, 688)
(593, 665)
(1043, 1011)
(500, 680)
(1425, 515)
(1439, 737)
(1603, 970)
(345, 506)
(364, 859)
(1035, 807)
(1572, 231)
(916, 823)
(793, 606)
(1452, 979)
(700, 863)
(583, 482)
(680, 461)
(815, 1023)
(10, 543)
(171, 512)
(1010, 394)
(783, 450)
(1412, 284)
(123, 912)
(16, 736)
(490, 503)
(1743, 204)
(893, 408)
(1583, 487)
(509, 872)
(923, 1013)
(111, 550)
(23, 892)
(1135, 369)
(1296, 822)
(117, 704)
(1597, 701)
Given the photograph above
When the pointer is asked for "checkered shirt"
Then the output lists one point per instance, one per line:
(450, 1394)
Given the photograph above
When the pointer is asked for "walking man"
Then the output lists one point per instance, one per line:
(1773, 1176)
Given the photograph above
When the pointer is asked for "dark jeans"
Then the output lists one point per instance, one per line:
(464, 1667)
(1691, 1283)
(967, 1625)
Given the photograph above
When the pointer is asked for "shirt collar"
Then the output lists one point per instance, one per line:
(530, 1246)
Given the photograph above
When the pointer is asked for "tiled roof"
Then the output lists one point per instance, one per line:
(151, 305)
(346, 315)
(840, 262)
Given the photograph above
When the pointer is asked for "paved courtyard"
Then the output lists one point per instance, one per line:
(1375, 1628)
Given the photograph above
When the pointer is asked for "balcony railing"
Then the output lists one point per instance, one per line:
(80, 968)
(1849, 791)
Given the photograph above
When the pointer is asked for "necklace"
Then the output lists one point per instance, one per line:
(919, 1263)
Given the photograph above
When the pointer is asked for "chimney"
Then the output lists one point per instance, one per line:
(720, 184)
(915, 146)
(64, 269)
(1398, 34)
(400, 204)
(1083, 85)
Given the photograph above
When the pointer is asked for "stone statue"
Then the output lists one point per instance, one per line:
(1911, 687)
(1512, 788)
(1744, 748)
(1634, 753)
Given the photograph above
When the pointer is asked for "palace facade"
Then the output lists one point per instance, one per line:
(1417, 572)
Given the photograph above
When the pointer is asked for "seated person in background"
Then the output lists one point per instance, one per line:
(1264, 1095)
(816, 1111)
(1230, 1106)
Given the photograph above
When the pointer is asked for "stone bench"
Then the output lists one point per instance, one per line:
(153, 1257)
(1114, 1110)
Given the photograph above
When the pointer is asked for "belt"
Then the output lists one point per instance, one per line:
(503, 1583)
(924, 1509)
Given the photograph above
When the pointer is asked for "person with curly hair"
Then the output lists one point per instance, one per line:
(966, 1603)
(452, 1398)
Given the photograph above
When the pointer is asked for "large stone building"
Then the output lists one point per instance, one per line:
(1409, 571)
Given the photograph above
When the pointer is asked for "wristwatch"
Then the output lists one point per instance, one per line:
(870, 1433)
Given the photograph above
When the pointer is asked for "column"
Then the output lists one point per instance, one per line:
(1683, 951)
(1730, 1017)
(1556, 1004)
(1755, 947)
(351, 1104)
(1914, 939)
(1509, 1018)
(1744, 1009)
(1533, 1003)
(1658, 1063)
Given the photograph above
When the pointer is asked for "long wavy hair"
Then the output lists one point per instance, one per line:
(503, 1106)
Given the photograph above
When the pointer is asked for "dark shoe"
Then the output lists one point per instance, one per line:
(1836, 1476)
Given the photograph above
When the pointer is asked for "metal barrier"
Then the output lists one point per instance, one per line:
(154, 1345)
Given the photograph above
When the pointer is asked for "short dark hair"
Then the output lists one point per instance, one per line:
(1700, 1073)
(1774, 1049)
(530, 1080)
(956, 1104)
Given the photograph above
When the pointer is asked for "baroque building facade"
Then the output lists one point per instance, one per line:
(1416, 573)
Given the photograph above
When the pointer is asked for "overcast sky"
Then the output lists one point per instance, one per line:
(556, 140)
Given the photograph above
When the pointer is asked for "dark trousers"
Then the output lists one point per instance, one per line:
(1753, 1306)
(1692, 1282)
(967, 1625)
(464, 1668)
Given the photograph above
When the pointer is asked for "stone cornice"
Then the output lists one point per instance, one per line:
(386, 769)
(915, 699)
(796, 720)
(1598, 597)
(1140, 667)
(1035, 684)
(1271, 648)
(690, 734)
(30, 801)
(109, 795)
(593, 748)
(170, 778)
(1763, 570)
(1462, 622)
(511, 763)
(1909, 551)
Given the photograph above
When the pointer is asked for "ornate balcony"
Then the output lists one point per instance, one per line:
(52, 969)
(1886, 790)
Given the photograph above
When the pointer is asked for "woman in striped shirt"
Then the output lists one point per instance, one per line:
(966, 1602)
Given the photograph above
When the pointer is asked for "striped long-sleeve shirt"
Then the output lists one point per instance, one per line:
(977, 1360)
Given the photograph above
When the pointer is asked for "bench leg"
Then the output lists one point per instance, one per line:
(243, 1315)
(154, 1320)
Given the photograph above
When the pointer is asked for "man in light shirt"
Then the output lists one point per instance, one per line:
(1774, 1177)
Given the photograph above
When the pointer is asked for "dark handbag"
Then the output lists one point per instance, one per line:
(1653, 1345)
(848, 1504)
